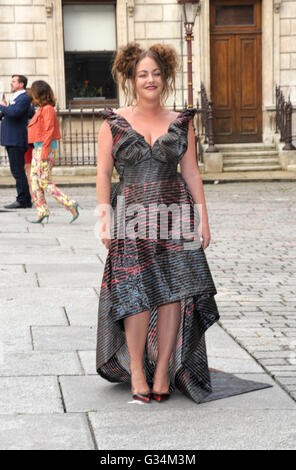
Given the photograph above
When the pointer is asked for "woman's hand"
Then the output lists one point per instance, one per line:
(106, 242)
(104, 232)
(206, 235)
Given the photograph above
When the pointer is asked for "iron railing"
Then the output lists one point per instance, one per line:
(283, 119)
(197, 132)
(203, 126)
(79, 130)
(207, 120)
(78, 145)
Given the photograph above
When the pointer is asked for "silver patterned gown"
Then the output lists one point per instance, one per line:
(144, 273)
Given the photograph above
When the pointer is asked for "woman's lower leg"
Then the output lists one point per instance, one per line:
(168, 323)
(136, 329)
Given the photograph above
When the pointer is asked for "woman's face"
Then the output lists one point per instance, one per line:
(148, 80)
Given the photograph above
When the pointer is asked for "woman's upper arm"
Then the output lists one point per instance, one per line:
(188, 163)
(105, 160)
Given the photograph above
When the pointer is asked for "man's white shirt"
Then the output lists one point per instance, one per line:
(15, 95)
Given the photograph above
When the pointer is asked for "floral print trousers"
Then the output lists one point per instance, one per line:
(41, 181)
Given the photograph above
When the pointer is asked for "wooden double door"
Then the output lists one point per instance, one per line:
(236, 70)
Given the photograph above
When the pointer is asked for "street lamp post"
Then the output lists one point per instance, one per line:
(190, 9)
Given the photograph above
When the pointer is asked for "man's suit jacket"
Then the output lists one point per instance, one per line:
(14, 124)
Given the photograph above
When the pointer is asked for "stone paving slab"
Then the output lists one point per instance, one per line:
(17, 280)
(45, 432)
(64, 268)
(195, 429)
(30, 395)
(39, 363)
(88, 361)
(220, 345)
(18, 313)
(31, 238)
(60, 227)
(11, 269)
(63, 258)
(61, 295)
(85, 393)
(64, 338)
(233, 365)
(83, 315)
(15, 339)
(90, 242)
(71, 279)
(27, 241)
(36, 251)
(11, 228)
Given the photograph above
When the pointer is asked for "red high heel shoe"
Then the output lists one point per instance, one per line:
(144, 397)
(160, 396)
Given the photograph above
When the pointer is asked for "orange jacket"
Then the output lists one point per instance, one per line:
(44, 127)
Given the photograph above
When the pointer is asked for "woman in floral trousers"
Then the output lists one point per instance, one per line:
(43, 132)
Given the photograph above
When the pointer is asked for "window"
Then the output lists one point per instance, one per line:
(234, 15)
(90, 44)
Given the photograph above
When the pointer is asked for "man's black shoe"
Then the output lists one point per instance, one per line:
(18, 205)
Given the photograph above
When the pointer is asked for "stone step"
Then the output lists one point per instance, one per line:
(264, 154)
(244, 147)
(253, 168)
(251, 161)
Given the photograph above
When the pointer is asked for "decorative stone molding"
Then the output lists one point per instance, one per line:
(48, 8)
(55, 44)
(131, 7)
(277, 6)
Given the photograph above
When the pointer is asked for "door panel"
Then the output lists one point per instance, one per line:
(222, 95)
(246, 51)
(236, 76)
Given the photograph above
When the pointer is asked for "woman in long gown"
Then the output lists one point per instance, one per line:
(157, 293)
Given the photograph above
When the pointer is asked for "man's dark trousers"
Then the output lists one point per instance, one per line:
(16, 157)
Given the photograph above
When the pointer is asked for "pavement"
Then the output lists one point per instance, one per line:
(50, 275)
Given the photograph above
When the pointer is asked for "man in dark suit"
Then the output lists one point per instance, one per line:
(14, 137)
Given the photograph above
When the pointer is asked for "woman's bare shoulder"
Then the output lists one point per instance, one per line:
(124, 112)
(173, 114)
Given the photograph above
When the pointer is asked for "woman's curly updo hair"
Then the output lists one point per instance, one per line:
(128, 57)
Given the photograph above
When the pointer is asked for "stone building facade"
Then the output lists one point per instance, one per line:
(33, 42)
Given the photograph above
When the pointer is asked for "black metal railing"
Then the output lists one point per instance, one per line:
(78, 145)
(207, 120)
(203, 125)
(79, 130)
(283, 119)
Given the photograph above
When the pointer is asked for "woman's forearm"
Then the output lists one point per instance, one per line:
(103, 195)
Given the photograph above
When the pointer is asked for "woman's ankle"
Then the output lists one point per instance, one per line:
(162, 367)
